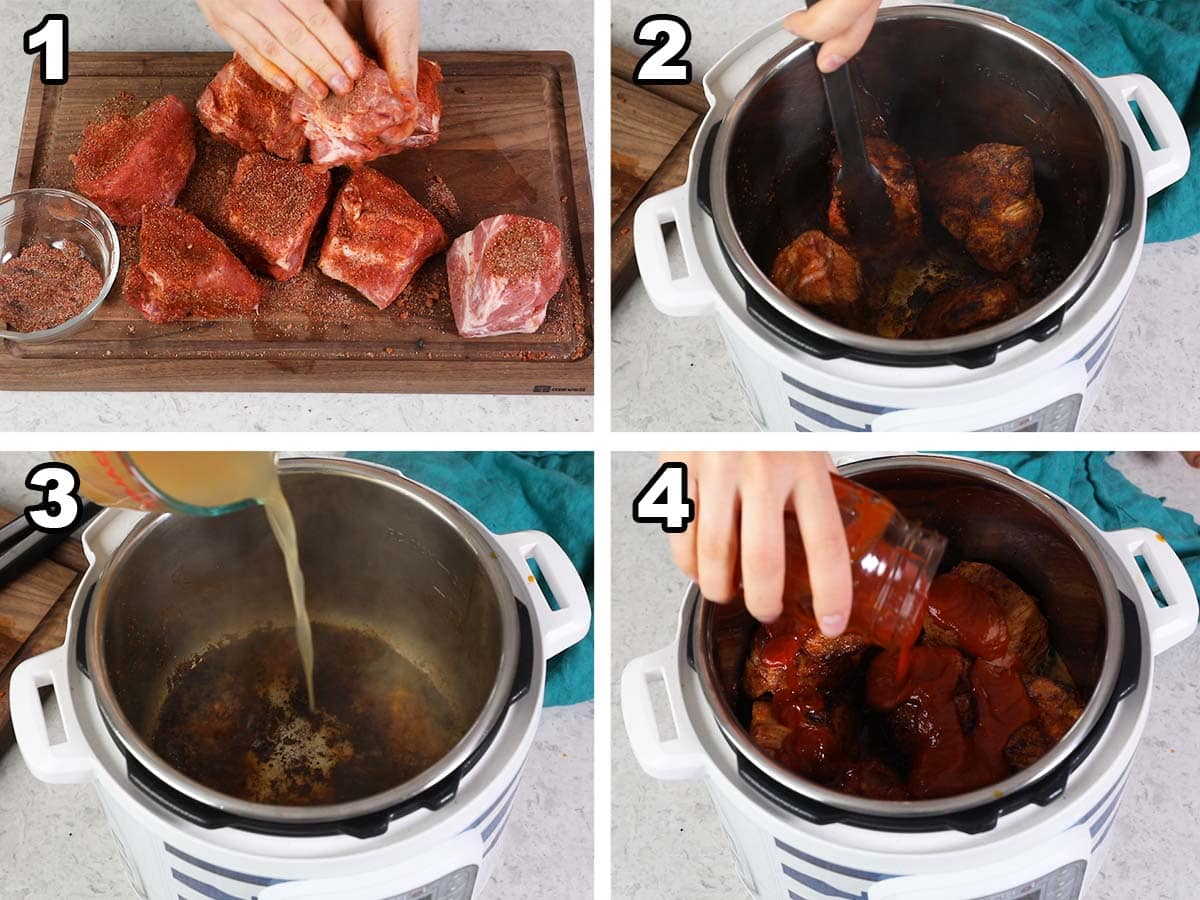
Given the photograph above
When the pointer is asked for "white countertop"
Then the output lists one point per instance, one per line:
(149, 25)
(661, 365)
(666, 840)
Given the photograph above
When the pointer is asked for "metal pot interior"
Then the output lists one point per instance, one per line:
(987, 516)
(381, 557)
(942, 84)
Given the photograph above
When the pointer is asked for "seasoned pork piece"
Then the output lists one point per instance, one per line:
(1028, 635)
(126, 163)
(245, 109)
(349, 130)
(271, 211)
(816, 271)
(986, 199)
(503, 275)
(966, 309)
(378, 237)
(185, 271)
(795, 657)
(900, 182)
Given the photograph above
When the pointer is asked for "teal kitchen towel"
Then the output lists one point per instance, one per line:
(550, 492)
(1156, 38)
(1108, 498)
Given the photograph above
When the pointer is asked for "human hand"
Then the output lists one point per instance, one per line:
(840, 26)
(1193, 458)
(740, 503)
(293, 44)
(392, 29)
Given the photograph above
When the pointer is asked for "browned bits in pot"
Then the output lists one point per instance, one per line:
(45, 286)
(236, 719)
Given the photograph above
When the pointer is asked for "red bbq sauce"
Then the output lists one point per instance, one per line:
(892, 561)
(971, 613)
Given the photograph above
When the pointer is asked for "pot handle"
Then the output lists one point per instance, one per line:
(68, 762)
(678, 758)
(692, 295)
(1172, 623)
(1163, 167)
(568, 624)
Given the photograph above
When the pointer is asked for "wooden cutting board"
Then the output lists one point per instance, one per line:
(512, 141)
(653, 128)
(33, 614)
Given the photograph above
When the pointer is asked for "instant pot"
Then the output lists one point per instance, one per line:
(944, 78)
(379, 552)
(1038, 835)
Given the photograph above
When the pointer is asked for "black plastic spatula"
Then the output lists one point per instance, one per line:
(865, 204)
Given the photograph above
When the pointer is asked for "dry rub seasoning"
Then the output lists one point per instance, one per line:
(46, 286)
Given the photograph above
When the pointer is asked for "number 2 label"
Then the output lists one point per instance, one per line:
(670, 37)
(664, 500)
(49, 40)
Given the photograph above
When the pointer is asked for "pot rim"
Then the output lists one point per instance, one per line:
(736, 734)
(1072, 287)
(494, 709)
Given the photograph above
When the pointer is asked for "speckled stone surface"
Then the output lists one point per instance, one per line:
(661, 365)
(150, 25)
(667, 844)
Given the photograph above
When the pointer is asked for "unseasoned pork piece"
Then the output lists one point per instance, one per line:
(271, 211)
(966, 309)
(379, 237)
(985, 198)
(126, 163)
(503, 274)
(348, 130)
(816, 271)
(900, 182)
(185, 270)
(1028, 635)
(245, 109)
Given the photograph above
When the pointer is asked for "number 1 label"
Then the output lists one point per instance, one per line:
(49, 40)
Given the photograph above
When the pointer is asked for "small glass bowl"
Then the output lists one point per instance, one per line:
(49, 216)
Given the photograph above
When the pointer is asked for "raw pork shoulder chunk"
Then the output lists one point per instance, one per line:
(185, 270)
(348, 131)
(242, 107)
(126, 163)
(379, 237)
(503, 274)
(271, 211)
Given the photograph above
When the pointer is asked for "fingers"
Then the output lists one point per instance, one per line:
(259, 63)
(396, 136)
(394, 27)
(824, 538)
(763, 554)
(841, 25)
(291, 43)
(325, 45)
(716, 538)
(265, 45)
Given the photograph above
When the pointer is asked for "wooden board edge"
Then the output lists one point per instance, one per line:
(31, 123)
(691, 96)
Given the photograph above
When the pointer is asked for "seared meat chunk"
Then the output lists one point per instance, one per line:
(1058, 707)
(1028, 636)
(985, 198)
(873, 778)
(900, 181)
(798, 656)
(126, 162)
(806, 731)
(250, 113)
(966, 309)
(816, 271)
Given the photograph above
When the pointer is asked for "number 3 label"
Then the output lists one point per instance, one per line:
(664, 500)
(49, 39)
(670, 37)
(60, 506)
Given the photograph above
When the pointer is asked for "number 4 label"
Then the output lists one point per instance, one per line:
(49, 39)
(670, 37)
(664, 500)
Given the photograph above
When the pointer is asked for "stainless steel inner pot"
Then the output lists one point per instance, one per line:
(378, 552)
(945, 79)
(988, 515)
